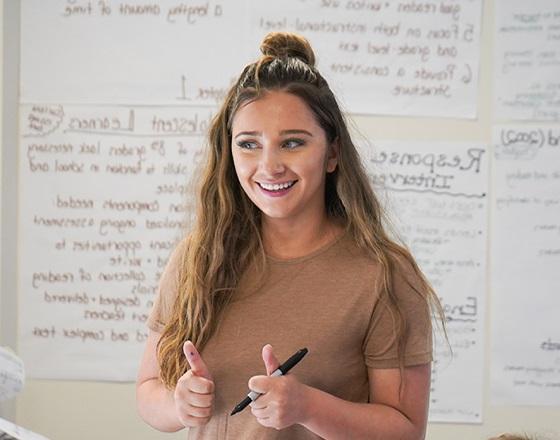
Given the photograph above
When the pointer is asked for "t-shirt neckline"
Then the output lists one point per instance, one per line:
(324, 248)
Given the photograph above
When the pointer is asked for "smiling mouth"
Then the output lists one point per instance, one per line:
(277, 186)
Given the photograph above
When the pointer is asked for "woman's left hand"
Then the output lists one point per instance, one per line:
(283, 400)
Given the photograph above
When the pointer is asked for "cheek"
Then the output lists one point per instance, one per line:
(316, 169)
(242, 168)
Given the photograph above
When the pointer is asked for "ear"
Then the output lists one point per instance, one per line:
(332, 156)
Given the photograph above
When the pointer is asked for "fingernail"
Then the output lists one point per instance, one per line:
(190, 352)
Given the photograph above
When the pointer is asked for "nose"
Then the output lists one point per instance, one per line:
(272, 162)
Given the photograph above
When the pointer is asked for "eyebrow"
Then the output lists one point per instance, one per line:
(282, 133)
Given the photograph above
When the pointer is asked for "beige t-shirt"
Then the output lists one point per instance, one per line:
(326, 301)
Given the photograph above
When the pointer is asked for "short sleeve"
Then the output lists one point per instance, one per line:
(167, 291)
(380, 345)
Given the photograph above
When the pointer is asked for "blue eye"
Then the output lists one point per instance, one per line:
(247, 145)
(290, 144)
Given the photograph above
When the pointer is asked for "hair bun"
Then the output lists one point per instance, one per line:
(285, 44)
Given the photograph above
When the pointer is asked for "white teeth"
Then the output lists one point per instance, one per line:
(276, 186)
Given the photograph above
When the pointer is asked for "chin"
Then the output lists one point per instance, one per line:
(275, 215)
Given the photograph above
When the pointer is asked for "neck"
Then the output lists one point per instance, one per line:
(286, 239)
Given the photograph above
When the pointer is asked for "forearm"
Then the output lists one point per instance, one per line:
(156, 406)
(333, 418)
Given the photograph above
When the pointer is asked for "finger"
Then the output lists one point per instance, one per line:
(270, 361)
(195, 411)
(201, 400)
(260, 413)
(260, 384)
(259, 404)
(196, 363)
(201, 385)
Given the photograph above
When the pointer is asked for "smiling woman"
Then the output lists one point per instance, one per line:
(288, 250)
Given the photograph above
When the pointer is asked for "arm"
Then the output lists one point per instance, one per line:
(189, 404)
(384, 418)
(286, 401)
(156, 404)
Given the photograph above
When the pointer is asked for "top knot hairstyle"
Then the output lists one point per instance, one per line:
(226, 236)
(285, 45)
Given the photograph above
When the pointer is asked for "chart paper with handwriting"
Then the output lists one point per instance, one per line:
(525, 262)
(104, 198)
(385, 57)
(381, 57)
(437, 196)
(527, 60)
(105, 52)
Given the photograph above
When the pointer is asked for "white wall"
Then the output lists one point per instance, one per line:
(1, 118)
(7, 409)
(64, 410)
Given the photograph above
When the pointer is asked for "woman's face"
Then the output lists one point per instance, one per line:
(281, 156)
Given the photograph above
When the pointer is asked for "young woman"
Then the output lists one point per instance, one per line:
(288, 251)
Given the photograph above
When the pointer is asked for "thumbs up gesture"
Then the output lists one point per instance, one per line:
(194, 392)
(284, 399)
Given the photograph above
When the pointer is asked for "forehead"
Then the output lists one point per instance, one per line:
(275, 109)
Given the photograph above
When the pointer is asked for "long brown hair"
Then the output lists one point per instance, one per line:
(226, 237)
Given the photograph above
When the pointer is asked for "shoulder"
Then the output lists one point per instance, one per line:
(405, 273)
(175, 262)
(393, 265)
(168, 288)
(398, 260)
(348, 250)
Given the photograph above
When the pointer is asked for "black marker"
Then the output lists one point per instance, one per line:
(280, 371)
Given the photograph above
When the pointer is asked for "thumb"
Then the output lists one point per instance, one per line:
(196, 363)
(270, 361)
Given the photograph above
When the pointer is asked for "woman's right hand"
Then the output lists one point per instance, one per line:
(194, 392)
